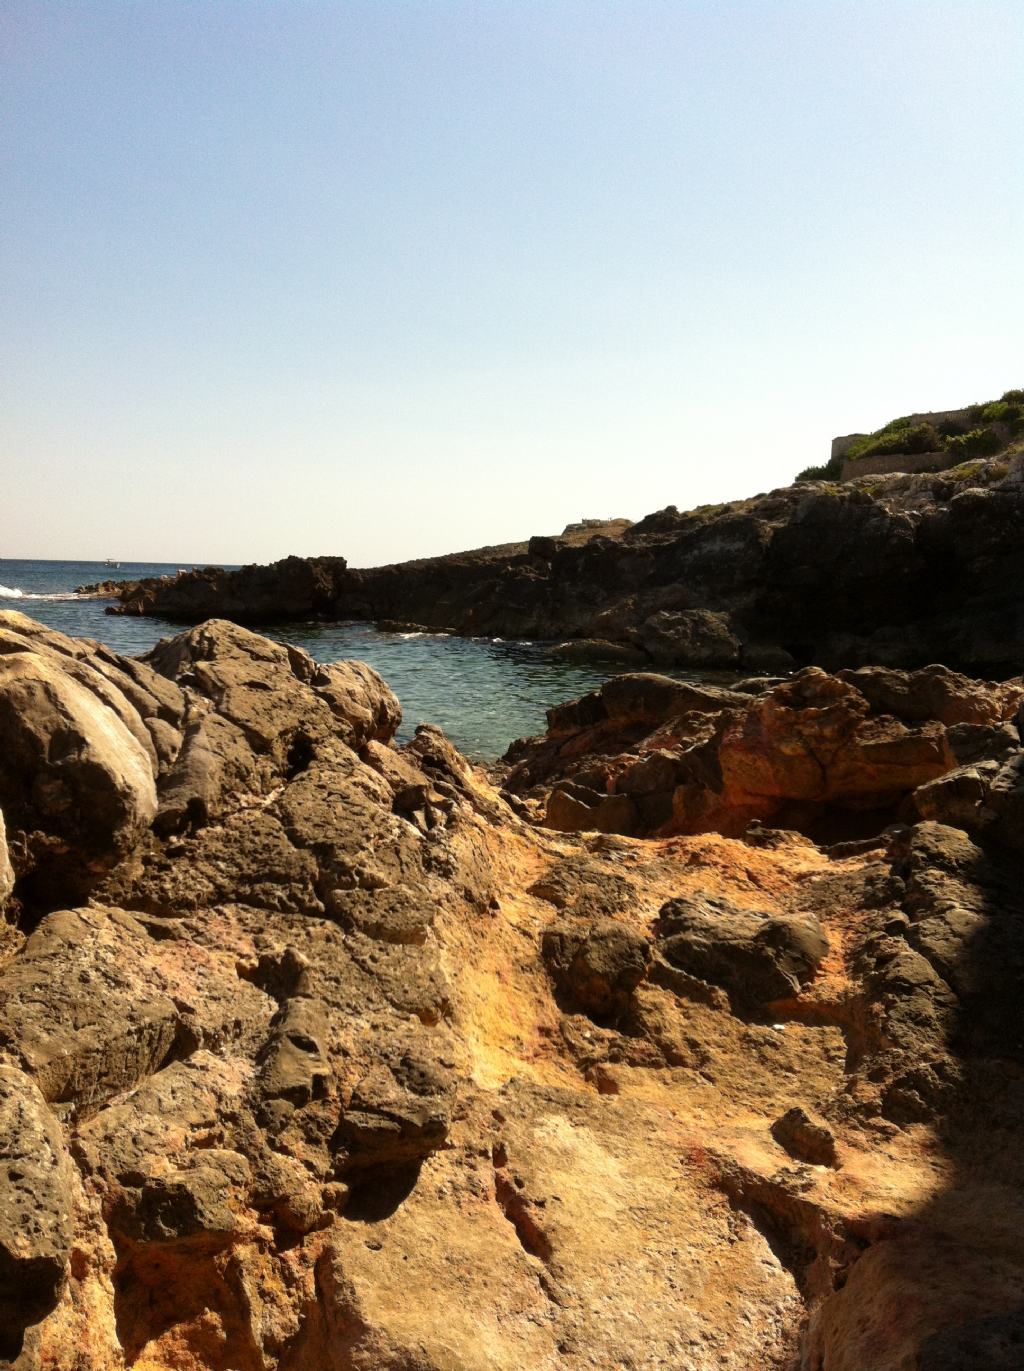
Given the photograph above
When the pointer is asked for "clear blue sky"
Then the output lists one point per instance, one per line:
(385, 279)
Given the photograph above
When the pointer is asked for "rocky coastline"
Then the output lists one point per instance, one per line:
(896, 570)
(693, 1042)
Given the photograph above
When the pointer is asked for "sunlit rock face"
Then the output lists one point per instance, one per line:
(318, 1053)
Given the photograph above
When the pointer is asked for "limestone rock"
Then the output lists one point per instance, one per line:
(647, 755)
(252, 683)
(1005, 803)
(6, 870)
(399, 1113)
(74, 780)
(92, 1007)
(294, 1065)
(934, 692)
(190, 1204)
(812, 739)
(807, 1138)
(756, 957)
(316, 1045)
(694, 637)
(597, 967)
(35, 1208)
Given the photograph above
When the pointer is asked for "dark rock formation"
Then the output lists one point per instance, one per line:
(806, 1138)
(756, 957)
(597, 967)
(896, 569)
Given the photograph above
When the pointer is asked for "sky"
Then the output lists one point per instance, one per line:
(391, 279)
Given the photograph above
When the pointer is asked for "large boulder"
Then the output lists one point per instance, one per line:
(690, 637)
(151, 707)
(814, 739)
(259, 711)
(283, 701)
(648, 755)
(75, 781)
(935, 692)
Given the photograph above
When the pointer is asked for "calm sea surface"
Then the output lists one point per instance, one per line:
(484, 692)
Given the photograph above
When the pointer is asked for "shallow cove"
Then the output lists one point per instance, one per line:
(484, 692)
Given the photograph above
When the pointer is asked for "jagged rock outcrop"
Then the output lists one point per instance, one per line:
(328, 1059)
(648, 755)
(898, 569)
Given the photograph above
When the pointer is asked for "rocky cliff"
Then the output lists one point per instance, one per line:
(321, 1054)
(899, 570)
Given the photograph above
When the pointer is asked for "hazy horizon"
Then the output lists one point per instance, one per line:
(384, 280)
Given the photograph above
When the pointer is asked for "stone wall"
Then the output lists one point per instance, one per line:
(897, 461)
(901, 461)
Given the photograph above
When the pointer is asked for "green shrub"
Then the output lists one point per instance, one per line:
(908, 438)
(966, 471)
(1001, 411)
(821, 473)
(1013, 397)
(979, 442)
(860, 445)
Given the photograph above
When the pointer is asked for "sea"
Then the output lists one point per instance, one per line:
(484, 692)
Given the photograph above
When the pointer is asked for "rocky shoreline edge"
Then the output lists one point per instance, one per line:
(892, 569)
(695, 1042)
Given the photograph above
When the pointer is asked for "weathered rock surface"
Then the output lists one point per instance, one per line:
(77, 782)
(648, 755)
(36, 1191)
(597, 967)
(6, 869)
(326, 1059)
(892, 569)
(756, 957)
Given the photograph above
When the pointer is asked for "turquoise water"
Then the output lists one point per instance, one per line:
(483, 692)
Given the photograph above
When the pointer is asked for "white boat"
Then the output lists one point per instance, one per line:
(110, 562)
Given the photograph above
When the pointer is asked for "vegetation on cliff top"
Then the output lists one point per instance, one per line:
(984, 430)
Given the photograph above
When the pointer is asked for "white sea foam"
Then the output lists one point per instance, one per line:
(13, 593)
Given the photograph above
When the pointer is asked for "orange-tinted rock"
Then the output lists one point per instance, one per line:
(359, 1069)
(814, 739)
(645, 754)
